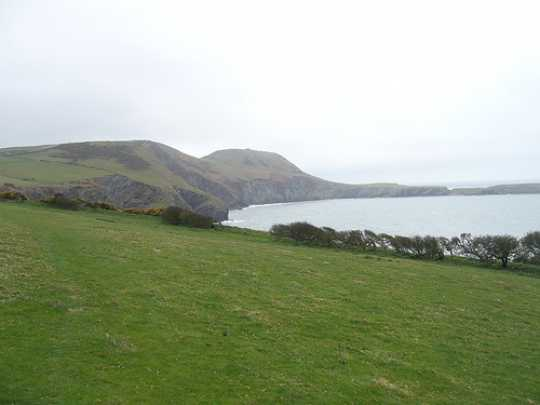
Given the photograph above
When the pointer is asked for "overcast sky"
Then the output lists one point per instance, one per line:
(409, 91)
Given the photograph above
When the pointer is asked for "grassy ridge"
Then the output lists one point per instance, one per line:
(103, 306)
(31, 167)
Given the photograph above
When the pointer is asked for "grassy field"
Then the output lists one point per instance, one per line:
(104, 307)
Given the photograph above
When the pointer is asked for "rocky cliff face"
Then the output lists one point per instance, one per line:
(119, 191)
(122, 192)
(305, 188)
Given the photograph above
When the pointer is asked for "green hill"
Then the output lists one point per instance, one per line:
(135, 174)
(105, 307)
(126, 174)
(250, 164)
(149, 174)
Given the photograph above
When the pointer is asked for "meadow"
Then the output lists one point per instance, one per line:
(107, 307)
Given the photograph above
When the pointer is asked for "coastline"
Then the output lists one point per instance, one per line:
(450, 194)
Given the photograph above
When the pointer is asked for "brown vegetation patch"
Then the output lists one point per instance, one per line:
(122, 153)
(156, 212)
(384, 383)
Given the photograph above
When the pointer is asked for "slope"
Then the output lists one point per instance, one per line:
(259, 177)
(113, 308)
(126, 174)
(145, 173)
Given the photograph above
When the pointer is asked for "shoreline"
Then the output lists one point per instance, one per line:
(380, 198)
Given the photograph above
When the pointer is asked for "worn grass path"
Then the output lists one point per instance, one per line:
(101, 307)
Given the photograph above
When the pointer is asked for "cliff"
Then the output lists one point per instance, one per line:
(149, 174)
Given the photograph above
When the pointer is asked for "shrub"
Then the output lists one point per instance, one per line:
(385, 240)
(12, 196)
(487, 248)
(503, 248)
(450, 246)
(371, 239)
(60, 201)
(531, 247)
(100, 205)
(427, 247)
(305, 232)
(181, 216)
(474, 247)
(280, 231)
(331, 232)
(402, 245)
(432, 248)
(155, 212)
(353, 239)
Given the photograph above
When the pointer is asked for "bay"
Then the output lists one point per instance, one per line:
(440, 216)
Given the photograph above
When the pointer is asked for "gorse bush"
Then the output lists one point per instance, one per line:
(181, 216)
(155, 212)
(100, 205)
(61, 201)
(12, 196)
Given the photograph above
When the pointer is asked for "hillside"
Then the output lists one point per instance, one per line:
(104, 307)
(522, 188)
(126, 174)
(149, 174)
(250, 164)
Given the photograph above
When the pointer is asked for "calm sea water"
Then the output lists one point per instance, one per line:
(441, 216)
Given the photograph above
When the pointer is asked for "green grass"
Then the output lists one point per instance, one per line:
(45, 168)
(104, 307)
(25, 171)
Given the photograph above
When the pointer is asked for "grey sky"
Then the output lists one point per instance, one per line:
(415, 91)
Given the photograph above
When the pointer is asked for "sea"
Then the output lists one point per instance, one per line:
(447, 216)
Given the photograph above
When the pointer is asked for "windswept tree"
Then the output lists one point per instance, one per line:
(487, 248)
(449, 245)
(306, 233)
(353, 239)
(280, 231)
(330, 232)
(432, 248)
(426, 247)
(385, 240)
(474, 247)
(417, 246)
(423, 247)
(503, 248)
(531, 246)
(402, 245)
(371, 238)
